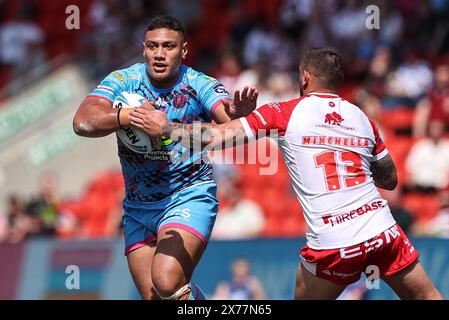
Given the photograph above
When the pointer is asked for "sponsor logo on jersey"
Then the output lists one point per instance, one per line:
(333, 118)
(371, 245)
(259, 115)
(275, 106)
(348, 216)
(355, 142)
(220, 89)
(135, 76)
(344, 275)
(118, 76)
(191, 76)
(105, 89)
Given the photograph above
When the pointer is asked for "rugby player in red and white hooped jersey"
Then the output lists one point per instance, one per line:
(336, 159)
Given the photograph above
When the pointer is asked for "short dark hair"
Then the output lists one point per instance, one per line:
(167, 22)
(325, 64)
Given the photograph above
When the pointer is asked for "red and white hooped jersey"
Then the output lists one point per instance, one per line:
(328, 145)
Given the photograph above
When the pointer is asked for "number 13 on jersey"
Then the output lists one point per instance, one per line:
(330, 161)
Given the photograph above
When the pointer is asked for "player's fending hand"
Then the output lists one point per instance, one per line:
(150, 121)
(244, 103)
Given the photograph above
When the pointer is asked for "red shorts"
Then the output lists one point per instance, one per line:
(389, 251)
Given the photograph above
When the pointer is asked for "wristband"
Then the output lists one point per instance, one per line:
(118, 118)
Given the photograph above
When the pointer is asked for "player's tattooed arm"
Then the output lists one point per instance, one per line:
(209, 135)
(189, 134)
(214, 136)
(384, 173)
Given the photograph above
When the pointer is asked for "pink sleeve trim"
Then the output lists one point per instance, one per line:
(140, 244)
(217, 103)
(99, 96)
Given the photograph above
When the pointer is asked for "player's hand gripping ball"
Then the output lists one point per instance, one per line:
(133, 138)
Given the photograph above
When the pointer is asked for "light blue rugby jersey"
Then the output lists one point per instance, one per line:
(160, 173)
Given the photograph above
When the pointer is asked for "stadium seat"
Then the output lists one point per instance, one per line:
(422, 206)
(398, 119)
(399, 147)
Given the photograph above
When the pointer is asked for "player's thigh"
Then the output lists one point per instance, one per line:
(139, 263)
(183, 233)
(413, 283)
(177, 254)
(310, 287)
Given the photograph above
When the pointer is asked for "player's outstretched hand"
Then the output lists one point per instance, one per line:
(150, 121)
(244, 103)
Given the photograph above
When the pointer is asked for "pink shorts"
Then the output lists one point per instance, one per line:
(390, 251)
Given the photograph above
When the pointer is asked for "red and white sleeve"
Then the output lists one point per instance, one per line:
(379, 150)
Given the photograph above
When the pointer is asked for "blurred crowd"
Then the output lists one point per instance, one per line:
(398, 74)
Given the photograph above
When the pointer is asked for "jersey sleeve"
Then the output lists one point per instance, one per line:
(379, 149)
(111, 86)
(272, 116)
(210, 93)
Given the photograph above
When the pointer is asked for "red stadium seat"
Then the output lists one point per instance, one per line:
(423, 207)
(399, 147)
(398, 118)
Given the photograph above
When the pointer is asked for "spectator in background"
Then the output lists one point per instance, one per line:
(107, 20)
(242, 286)
(43, 208)
(238, 218)
(409, 82)
(392, 24)
(294, 15)
(21, 45)
(317, 29)
(347, 26)
(21, 225)
(228, 71)
(439, 226)
(260, 44)
(435, 106)
(369, 104)
(254, 76)
(187, 11)
(379, 68)
(428, 161)
(278, 86)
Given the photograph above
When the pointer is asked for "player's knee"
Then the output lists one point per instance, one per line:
(150, 295)
(167, 285)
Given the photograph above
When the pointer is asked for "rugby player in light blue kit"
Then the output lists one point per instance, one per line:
(170, 205)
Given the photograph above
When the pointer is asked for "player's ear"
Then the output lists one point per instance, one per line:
(184, 50)
(305, 78)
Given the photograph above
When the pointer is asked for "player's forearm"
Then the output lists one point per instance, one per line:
(189, 134)
(100, 122)
(208, 135)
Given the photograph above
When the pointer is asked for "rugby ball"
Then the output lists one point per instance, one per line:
(133, 138)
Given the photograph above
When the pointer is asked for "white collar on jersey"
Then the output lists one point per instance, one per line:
(324, 93)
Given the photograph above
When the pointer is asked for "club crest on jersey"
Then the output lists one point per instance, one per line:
(180, 101)
(333, 119)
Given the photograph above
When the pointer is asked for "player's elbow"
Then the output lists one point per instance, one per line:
(83, 126)
(390, 182)
(80, 127)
